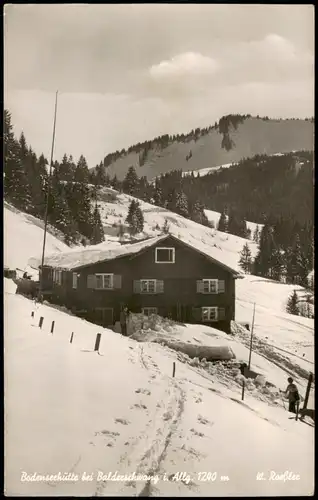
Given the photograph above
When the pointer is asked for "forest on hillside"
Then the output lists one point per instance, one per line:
(275, 191)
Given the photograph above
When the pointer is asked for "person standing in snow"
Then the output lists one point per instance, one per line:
(292, 394)
(123, 320)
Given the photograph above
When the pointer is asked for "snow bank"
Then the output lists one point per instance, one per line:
(23, 238)
(72, 411)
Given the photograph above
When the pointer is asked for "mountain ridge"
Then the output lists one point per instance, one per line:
(233, 138)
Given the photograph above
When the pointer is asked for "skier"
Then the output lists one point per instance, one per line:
(123, 320)
(293, 395)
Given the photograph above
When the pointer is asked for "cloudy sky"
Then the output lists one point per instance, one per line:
(127, 73)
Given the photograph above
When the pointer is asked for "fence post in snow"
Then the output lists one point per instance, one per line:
(32, 314)
(174, 369)
(310, 379)
(243, 389)
(52, 326)
(97, 342)
(71, 339)
(41, 321)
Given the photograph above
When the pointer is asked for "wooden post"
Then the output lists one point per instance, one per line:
(174, 369)
(251, 343)
(97, 342)
(32, 314)
(297, 410)
(243, 389)
(52, 326)
(41, 321)
(71, 339)
(310, 379)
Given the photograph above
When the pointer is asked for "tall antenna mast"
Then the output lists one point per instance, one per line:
(48, 194)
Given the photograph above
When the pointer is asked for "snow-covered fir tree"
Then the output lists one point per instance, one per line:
(292, 304)
(223, 223)
(98, 231)
(245, 261)
(130, 183)
(182, 207)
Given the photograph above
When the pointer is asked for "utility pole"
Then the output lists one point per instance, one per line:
(251, 343)
(48, 196)
(250, 355)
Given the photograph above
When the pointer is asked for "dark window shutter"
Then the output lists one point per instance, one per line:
(117, 281)
(137, 286)
(200, 286)
(221, 313)
(159, 286)
(197, 313)
(91, 281)
(221, 286)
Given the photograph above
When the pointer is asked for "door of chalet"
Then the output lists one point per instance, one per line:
(105, 316)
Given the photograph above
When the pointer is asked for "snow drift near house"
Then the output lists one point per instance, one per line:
(23, 238)
(71, 410)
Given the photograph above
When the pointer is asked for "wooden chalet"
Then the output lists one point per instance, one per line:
(163, 275)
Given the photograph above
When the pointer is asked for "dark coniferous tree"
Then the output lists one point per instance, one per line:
(81, 174)
(157, 193)
(292, 304)
(245, 261)
(223, 223)
(130, 183)
(182, 204)
(97, 231)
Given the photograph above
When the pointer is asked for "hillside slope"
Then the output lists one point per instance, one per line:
(275, 330)
(253, 136)
(23, 238)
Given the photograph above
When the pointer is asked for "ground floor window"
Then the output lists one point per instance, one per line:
(148, 286)
(209, 313)
(148, 311)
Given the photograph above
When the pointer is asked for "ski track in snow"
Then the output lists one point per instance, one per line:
(147, 450)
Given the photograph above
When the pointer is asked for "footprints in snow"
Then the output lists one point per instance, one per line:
(122, 421)
(108, 437)
(143, 391)
(139, 406)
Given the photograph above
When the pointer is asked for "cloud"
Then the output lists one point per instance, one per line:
(184, 65)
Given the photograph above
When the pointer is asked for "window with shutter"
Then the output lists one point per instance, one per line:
(104, 281)
(148, 286)
(210, 285)
(57, 276)
(148, 311)
(209, 314)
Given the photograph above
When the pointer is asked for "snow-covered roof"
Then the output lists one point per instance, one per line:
(76, 258)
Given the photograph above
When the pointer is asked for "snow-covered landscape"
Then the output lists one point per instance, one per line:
(159, 240)
(74, 411)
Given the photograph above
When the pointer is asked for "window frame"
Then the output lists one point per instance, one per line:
(209, 281)
(209, 308)
(57, 276)
(149, 308)
(165, 261)
(111, 275)
(151, 280)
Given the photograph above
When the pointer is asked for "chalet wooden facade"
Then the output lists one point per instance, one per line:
(162, 275)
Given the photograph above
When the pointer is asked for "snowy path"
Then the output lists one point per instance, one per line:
(69, 410)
